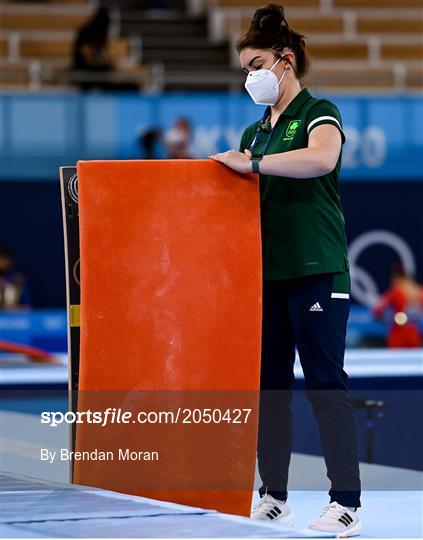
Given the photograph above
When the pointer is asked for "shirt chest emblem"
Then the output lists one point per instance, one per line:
(291, 130)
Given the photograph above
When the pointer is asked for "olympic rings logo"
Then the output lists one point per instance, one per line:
(363, 286)
(73, 188)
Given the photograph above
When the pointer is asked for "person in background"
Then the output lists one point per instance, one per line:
(14, 290)
(405, 300)
(90, 48)
(178, 138)
(148, 142)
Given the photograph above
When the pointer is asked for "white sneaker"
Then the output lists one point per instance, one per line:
(270, 509)
(337, 519)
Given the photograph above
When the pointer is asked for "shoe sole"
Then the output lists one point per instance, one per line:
(355, 531)
(281, 521)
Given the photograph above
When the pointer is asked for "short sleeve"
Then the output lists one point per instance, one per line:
(324, 112)
(242, 144)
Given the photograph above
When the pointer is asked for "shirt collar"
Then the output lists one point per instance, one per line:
(294, 105)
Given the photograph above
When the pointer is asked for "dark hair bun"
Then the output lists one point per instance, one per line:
(269, 19)
(270, 30)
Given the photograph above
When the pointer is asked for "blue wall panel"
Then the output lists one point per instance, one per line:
(41, 132)
(31, 223)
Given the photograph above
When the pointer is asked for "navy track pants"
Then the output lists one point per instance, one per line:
(303, 313)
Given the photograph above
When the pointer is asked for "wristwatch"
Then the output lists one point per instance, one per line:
(255, 160)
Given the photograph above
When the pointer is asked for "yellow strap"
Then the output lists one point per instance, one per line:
(74, 315)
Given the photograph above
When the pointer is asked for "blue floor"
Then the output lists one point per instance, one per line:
(39, 508)
(392, 501)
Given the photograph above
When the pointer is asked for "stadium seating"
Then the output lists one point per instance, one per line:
(20, 21)
(36, 44)
(345, 39)
(193, 48)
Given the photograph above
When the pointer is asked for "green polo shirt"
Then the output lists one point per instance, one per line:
(302, 224)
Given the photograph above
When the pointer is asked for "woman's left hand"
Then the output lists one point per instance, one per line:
(237, 161)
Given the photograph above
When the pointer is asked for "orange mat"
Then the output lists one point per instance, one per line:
(170, 321)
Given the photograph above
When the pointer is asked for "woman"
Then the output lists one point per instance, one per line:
(296, 149)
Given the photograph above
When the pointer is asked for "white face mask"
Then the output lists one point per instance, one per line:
(263, 85)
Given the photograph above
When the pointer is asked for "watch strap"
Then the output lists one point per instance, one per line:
(255, 164)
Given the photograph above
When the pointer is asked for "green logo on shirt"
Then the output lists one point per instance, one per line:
(292, 129)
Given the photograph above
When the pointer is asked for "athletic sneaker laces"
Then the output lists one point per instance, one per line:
(270, 509)
(336, 518)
